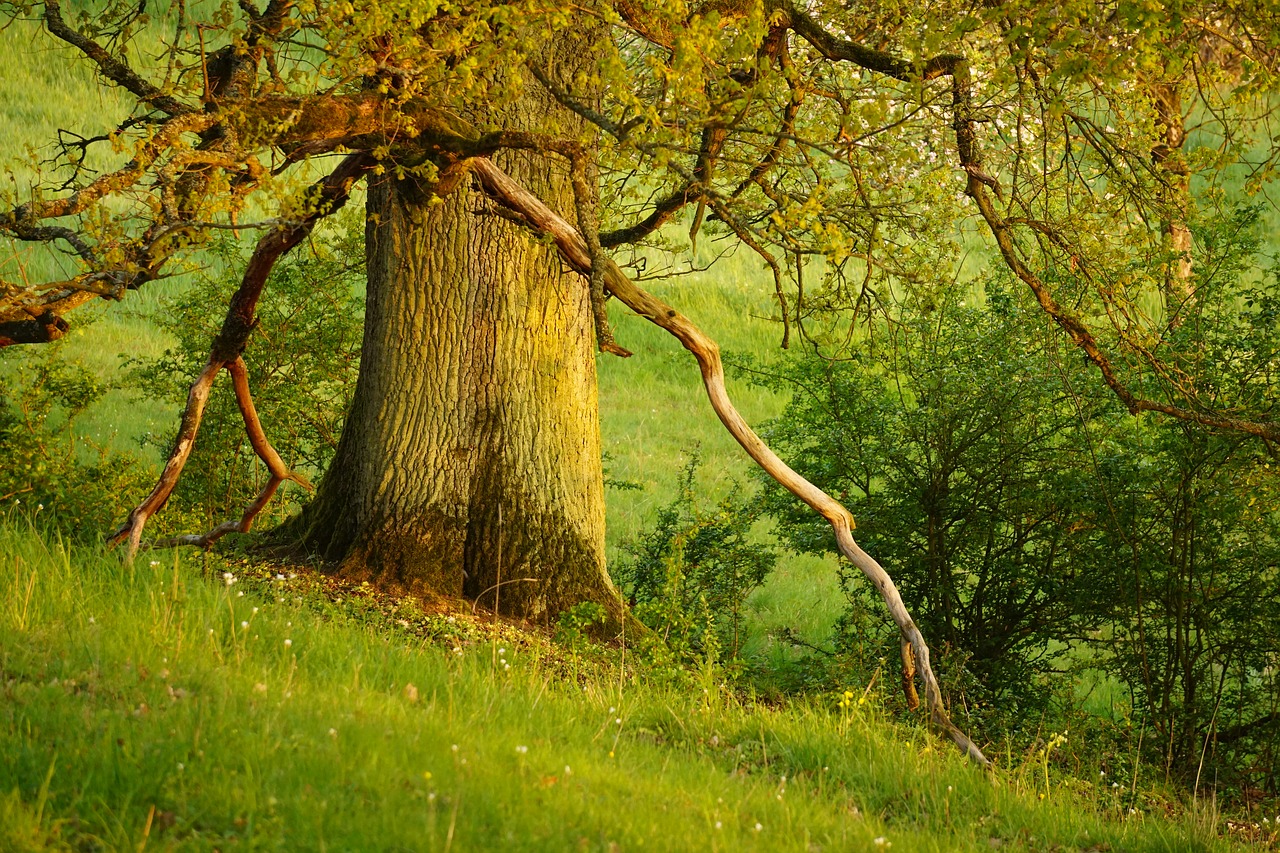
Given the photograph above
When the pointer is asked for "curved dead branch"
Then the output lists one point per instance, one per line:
(324, 198)
(197, 397)
(574, 250)
(279, 471)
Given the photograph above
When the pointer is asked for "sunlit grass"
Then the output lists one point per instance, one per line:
(164, 705)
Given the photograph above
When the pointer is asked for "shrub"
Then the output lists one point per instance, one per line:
(303, 359)
(62, 479)
(689, 576)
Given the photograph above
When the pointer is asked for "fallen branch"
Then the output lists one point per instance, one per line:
(574, 250)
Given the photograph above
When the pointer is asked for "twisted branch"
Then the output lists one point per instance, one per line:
(574, 249)
(324, 198)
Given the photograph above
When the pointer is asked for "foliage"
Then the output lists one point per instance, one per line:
(303, 362)
(1185, 527)
(573, 626)
(1188, 540)
(689, 576)
(1089, 137)
(1035, 529)
(954, 449)
(59, 476)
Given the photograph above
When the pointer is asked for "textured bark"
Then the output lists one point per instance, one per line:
(470, 463)
(1169, 156)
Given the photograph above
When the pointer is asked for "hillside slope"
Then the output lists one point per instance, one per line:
(191, 704)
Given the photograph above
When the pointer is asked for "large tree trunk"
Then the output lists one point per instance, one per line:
(470, 463)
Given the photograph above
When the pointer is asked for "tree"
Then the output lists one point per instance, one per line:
(798, 132)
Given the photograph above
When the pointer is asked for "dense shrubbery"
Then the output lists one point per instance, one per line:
(954, 447)
(59, 477)
(1037, 529)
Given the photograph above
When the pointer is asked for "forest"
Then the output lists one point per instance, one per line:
(737, 424)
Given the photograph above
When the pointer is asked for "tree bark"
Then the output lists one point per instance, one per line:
(470, 462)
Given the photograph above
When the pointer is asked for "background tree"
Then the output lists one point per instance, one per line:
(958, 448)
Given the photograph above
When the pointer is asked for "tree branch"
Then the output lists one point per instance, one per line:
(323, 198)
(574, 249)
(113, 69)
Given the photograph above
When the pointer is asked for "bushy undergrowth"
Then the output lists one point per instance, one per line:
(689, 576)
(303, 359)
(1046, 540)
(60, 477)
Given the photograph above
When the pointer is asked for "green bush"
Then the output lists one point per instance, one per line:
(688, 577)
(49, 471)
(957, 452)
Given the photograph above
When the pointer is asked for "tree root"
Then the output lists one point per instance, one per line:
(575, 251)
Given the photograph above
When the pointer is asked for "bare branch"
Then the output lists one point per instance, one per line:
(574, 250)
(113, 69)
(325, 197)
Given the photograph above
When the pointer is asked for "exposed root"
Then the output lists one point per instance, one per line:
(574, 249)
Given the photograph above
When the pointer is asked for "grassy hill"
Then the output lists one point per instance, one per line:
(164, 707)
(196, 704)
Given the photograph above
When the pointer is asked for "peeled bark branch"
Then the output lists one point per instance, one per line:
(574, 249)
(280, 472)
(197, 397)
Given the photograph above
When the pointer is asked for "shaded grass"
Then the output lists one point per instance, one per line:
(160, 705)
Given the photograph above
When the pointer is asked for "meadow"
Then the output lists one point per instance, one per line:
(198, 703)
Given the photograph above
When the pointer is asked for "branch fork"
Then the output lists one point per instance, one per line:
(328, 195)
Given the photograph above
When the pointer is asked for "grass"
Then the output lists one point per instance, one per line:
(163, 707)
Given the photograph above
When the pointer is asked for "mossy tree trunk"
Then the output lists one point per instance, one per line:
(470, 463)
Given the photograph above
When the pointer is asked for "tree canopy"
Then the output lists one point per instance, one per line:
(1090, 139)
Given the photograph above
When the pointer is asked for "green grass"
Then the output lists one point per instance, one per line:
(136, 711)
(159, 707)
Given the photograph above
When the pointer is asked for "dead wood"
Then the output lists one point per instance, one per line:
(574, 249)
